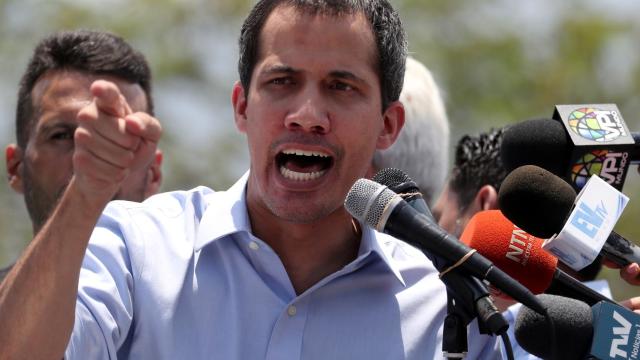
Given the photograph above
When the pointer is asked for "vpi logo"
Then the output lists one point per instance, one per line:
(618, 343)
(589, 220)
(609, 165)
(596, 125)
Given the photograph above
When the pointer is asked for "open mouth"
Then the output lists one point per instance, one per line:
(301, 165)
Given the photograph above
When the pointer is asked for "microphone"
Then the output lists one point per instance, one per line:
(472, 296)
(583, 140)
(604, 331)
(400, 183)
(382, 209)
(521, 256)
(540, 203)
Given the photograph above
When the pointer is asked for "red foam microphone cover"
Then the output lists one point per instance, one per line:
(510, 248)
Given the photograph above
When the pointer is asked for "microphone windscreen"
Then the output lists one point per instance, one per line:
(573, 323)
(541, 142)
(367, 201)
(511, 249)
(536, 200)
(391, 177)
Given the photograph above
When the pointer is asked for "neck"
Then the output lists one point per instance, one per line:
(309, 251)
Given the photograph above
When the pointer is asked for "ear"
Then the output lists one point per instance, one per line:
(14, 157)
(239, 102)
(154, 177)
(393, 118)
(487, 198)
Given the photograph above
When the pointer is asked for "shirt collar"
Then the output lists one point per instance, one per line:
(372, 243)
(226, 214)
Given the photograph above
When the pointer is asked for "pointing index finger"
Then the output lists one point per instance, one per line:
(144, 125)
(109, 99)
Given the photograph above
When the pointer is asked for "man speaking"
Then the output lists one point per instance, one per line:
(274, 267)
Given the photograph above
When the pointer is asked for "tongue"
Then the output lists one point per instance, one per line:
(303, 166)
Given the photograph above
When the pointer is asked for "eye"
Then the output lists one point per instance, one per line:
(62, 135)
(281, 81)
(341, 86)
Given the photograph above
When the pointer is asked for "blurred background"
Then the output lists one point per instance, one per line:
(497, 62)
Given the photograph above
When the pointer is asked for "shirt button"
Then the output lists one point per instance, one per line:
(254, 245)
(292, 310)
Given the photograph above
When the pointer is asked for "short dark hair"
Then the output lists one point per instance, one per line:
(477, 163)
(94, 52)
(384, 21)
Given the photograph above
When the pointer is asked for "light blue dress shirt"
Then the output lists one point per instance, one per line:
(181, 276)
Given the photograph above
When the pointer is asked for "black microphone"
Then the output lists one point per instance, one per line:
(472, 296)
(400, 183)
(540, 203)
(604, 331)
(571, 148)
(382, 209)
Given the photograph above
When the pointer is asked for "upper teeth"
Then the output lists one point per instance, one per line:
(304, 153)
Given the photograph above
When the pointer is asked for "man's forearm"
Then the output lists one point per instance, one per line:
(38, 297)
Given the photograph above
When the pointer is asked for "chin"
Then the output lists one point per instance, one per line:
(300, 213)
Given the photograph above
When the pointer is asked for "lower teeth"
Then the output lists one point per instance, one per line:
(298, 176)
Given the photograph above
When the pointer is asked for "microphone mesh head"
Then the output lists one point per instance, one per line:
(391, 177)
(541, 142)
(536, 200)
(573, 323)
(367, 200)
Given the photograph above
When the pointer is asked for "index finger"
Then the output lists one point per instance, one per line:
(144, 125)
(109, 99)
(631, 304)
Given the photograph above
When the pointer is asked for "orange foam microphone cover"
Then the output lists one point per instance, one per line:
(510, 248)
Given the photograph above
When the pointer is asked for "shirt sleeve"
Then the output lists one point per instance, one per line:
(104, 306)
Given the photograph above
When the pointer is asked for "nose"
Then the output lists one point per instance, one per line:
(310, 115)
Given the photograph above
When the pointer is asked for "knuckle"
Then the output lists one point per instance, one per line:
(81, 136)
(86, 114)
(128, 159)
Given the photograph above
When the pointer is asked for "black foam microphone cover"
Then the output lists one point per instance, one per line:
(573, 323)
(541, 142)
(536, 200)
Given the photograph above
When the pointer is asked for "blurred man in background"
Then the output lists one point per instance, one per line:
(422, 149)
(53, 89)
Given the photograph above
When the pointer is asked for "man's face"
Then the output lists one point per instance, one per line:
(43, 169)
(312, 114)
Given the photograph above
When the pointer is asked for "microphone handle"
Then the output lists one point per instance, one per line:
(564, 285)
(414, 228)
(620, 250)
(411, 194)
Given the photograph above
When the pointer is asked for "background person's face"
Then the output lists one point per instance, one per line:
(46, 166)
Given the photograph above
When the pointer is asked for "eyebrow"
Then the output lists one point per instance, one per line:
(279, 69)
(340, 74)
(57, 124)
(347, 75)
